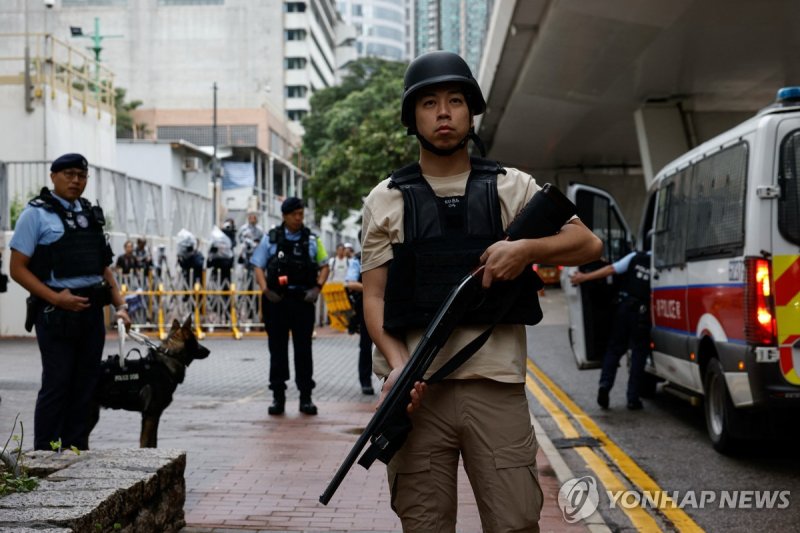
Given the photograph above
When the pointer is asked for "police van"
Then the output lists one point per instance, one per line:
(723, 222)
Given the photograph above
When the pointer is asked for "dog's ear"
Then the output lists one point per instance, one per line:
(188, 322)
(175, 324)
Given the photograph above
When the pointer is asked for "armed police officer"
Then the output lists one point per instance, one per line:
(630, 326)
(296, 266)
(60, 255)
(425, 228)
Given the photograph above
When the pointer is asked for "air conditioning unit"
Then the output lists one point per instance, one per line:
(192, 164)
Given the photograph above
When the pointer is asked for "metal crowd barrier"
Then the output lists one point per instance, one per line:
(217, 306)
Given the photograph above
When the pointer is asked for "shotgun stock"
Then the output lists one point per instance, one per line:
(542, 216)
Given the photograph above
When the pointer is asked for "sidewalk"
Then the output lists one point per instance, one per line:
(247, 470)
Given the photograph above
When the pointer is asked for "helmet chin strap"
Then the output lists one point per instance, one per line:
(427, 145)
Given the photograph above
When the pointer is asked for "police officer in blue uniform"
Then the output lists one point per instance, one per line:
(630, 326)
(296, 267)
(60, 254)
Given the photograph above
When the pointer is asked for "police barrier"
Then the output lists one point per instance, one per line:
(217, 306)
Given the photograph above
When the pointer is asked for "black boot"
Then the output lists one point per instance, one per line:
(306, 405)
(278, 403)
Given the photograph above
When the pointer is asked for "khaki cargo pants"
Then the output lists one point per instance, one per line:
(488, 424)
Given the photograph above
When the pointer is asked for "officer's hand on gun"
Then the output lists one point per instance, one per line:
(416, 394)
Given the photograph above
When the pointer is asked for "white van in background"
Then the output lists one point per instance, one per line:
(725, 283)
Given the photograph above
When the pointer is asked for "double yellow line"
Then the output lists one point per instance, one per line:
(637, 477)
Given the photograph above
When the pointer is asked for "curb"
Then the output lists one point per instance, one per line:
(595, 522)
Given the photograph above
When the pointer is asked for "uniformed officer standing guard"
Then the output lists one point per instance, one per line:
(424, 229)
(59, 253)
(296, 266)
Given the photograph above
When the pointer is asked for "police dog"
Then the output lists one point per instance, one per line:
(146, 384)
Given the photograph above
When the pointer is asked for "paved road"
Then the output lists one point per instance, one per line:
(668, 440)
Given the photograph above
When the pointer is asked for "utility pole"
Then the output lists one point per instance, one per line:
(214, 161)
(28, 82)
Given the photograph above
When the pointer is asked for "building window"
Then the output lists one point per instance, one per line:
(296, 91)
(295, 35)
(246, 135)
(295, 63)
(388, 14)
(296, 114)
(294, 7)
(388, 33)
(358, 10)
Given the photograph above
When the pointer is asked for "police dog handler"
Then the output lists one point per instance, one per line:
(435, 221)
(60, 254)
(296, 266)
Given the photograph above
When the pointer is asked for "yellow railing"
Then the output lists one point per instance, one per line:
(56, 65)
(157, 301)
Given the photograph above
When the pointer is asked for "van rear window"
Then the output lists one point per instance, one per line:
(789, 204)
(716, 204)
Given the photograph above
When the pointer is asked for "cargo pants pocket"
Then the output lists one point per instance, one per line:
(413, 494)
(517, 503)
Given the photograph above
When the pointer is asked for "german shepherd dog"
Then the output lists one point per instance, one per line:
(146, 384)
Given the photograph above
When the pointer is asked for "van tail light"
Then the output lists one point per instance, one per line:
(759, 302)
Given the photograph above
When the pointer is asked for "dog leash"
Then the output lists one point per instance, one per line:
(138, 337)
(121, 336)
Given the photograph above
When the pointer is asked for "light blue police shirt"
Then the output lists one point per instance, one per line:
(265, 249)
(353, 270)
(37, 225)
(621, 266)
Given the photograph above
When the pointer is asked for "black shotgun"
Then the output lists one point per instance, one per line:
(542, 216)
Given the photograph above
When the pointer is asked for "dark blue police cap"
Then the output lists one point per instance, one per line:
(69, 161)
(292, 203)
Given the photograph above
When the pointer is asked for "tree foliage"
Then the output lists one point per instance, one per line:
(125, 123)
(353, 135)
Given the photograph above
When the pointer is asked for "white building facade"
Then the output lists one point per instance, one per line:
(381, 27)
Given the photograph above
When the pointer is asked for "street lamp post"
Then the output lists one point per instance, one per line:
(97, 40)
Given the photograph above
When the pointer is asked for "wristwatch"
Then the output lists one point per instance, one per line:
(121, 307)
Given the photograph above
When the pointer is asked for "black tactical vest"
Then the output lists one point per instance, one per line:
(291, 265)
(81, 251)
(443, 241)
(637, 277)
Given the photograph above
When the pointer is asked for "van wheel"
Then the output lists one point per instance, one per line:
(721, 415)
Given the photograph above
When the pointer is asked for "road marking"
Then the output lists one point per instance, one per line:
(640, 519)
(627, 466)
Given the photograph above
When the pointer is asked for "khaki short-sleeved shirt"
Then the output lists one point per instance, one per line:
(503, 356)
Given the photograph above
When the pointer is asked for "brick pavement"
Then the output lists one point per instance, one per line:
(247, 470)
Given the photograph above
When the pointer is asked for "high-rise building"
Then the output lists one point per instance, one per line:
(317, 46)
(458, 26)
(380, 27)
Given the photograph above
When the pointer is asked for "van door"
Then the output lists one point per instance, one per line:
(786, 251)
(590, 304)
(668, 284)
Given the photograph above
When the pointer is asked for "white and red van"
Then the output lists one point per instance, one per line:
(725, 284)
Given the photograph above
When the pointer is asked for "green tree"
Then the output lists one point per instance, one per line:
(125, 123)
(353, 135)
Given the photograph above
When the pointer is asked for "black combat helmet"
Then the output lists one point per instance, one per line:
(433, 68)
